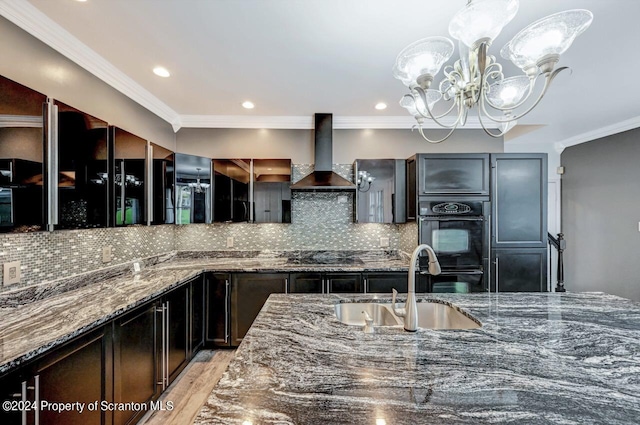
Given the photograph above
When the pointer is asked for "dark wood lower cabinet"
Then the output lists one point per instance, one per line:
(306, 283)
(197, 305)
(135, 359)
(178, 327)
(249, 292)
(344, 282)
(519, 270)
(218, 308)
(385, 282)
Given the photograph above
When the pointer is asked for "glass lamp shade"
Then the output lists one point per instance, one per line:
(508, 92)
(423, 57)
(412, 104)
(482, 20)
(551, 35)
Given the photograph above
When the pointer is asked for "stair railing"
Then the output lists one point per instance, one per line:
(560, 245)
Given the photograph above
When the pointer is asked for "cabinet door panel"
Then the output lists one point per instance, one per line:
(306, 283)
(134, 362)
(519, 270)
(249, 292)
(178, 326)
(218, 309)
(385, 282)
(197, 315)
(74, 374)
(344, 282)
(519, 200)
(455, 174)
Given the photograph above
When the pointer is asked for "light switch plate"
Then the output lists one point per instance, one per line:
(384, 242)
(106, 254)
(230, 242)
(11, 274)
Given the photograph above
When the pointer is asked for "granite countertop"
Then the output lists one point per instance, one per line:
(538, 358)
(36, 319)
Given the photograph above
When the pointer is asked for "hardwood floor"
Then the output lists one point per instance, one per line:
(191, 389)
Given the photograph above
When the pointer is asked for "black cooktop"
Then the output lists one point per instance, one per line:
(329, 261)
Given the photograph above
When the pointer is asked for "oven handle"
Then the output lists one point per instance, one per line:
(440, 218)
(468, 272)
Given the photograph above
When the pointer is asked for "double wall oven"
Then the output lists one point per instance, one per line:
(457, 228)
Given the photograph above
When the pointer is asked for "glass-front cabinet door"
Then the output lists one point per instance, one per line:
(272, 190)
(193, 194)
(163, 185)
(231, 181)
(83, 175)
(130, 153)
(22, 145)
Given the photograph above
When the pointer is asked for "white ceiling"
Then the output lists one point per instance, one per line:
(293, 58)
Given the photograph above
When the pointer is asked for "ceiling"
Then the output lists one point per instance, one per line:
(293, 58)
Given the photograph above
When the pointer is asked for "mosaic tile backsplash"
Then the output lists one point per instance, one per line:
(320, 221)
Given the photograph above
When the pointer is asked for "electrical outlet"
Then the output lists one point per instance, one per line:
(230, 242)
(106, 254)
(384, 242)
(11, 274)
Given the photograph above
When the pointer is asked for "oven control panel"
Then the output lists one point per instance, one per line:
(440, 208)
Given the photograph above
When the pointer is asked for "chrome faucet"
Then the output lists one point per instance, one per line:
(410, 310)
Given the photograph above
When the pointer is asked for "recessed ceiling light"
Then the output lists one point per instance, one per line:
(81, 1)
(161, 71)
(380, 106)
(248, 105)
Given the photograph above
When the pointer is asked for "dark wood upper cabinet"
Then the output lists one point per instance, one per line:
(23, 123)
(163, 186)
(272, 190)
(129, 178)
(231, 184)
(83, 171)
(193, 190)
(453, 174)
(380, 191)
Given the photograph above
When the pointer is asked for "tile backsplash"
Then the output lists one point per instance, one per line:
(320, 221)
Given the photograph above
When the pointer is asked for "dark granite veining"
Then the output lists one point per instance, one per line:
(537, 359)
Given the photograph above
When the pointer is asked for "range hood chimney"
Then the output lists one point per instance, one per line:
(323, 178)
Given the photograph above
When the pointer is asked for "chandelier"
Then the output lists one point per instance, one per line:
(476, 78)
(199, 187)
(364, 181)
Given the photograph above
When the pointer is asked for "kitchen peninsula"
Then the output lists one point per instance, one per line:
(538, 358)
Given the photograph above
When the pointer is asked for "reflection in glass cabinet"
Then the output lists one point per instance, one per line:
(130, 154)
(231, 182)
(163, 185)
(83, 169)
(272, 190)
(22, 123)
(193, 189)
(380, 185)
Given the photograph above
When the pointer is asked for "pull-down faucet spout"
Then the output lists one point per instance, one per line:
(410, 311)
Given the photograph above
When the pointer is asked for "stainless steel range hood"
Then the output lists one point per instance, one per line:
(323, 178)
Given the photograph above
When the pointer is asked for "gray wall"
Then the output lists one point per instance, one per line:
(600, 215)
(32, 63)
(348, 145)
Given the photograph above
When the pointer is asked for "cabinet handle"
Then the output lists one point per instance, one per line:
(497, 275)
(52, 154)
(489, 239)
(166, 357)
(163, 351)
(323, 286)
(24, 401)
(286, 285)
(226, 311)
(328, 285)
(149, 203)
(365, 285)
(37, 399)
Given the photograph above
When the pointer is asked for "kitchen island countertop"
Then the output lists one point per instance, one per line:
(537, 359)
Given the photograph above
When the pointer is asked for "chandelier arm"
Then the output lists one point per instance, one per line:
(486, 130)
(423, 96)
(445, 137)
(548, 79)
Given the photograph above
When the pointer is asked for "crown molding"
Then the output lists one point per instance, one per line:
(29, 18)
(22, 121)
(598, 133)
(306, 122)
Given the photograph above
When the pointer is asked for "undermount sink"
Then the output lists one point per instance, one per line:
(432, 314)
